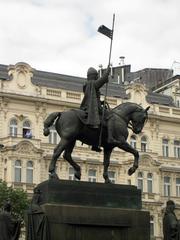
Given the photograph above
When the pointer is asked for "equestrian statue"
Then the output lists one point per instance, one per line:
(94, 121)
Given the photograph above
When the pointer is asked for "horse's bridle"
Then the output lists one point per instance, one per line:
(125, 120)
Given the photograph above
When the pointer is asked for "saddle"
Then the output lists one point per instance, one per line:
(82, 115)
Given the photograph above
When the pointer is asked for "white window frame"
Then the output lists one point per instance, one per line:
(165, 147)
(140, 181)
(71, 173)
(112, 176)
(150, 183)
(152, 226)
(26, 130)
(144, 144)
(13, 128)
(176, 148)
(92, 175)
(17, 171)
(178, 187)
(133, 141)
(167, 186)
(29, 172)
(53, 136)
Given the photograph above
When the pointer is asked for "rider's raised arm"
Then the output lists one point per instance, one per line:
(104, 79)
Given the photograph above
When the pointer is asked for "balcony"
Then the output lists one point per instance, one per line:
(14, 140)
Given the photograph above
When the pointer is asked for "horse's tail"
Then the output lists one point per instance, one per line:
(49, 122)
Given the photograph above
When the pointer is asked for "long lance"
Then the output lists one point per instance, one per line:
(106, 89)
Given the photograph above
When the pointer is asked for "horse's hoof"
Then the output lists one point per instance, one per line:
(78, 175)
(53, 175)
(51, 168)
(131, 170)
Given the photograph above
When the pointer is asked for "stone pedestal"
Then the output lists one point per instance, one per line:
(91, 211)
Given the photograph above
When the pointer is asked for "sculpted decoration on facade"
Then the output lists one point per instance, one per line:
(21, 73)
(25, 147)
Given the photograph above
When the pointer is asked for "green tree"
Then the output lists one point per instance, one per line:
(17, 197)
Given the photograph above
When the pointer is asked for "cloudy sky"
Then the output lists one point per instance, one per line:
(61, 35)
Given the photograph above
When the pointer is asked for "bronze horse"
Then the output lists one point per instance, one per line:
(70, 128)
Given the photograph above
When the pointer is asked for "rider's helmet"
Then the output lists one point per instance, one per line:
(92, 74)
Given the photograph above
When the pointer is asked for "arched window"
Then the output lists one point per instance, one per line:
(149, 182)
(53, 136)
(133, 141)
(13, 127)
(92, 175)
(17, 171)
(27, 129)
(143, 144)
(140, 181)
(165, 147)
(29, 172)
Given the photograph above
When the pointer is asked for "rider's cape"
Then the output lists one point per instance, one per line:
(90, 104)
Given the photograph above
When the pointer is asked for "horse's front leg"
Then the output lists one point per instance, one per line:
(128, 148)
(57, 152)
(107, 154)
(67, 156)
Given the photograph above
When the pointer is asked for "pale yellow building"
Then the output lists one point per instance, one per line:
(27, 96)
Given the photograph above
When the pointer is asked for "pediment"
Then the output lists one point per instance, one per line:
(147, 160)
(26, 147)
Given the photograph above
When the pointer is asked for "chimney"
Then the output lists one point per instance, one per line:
(121, 63)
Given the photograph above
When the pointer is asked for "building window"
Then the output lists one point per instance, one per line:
(176, 148)
(133, 141)
(140, 181)
(92, 175)
(29, 172)
(27, 130)
(165, 147)
(112, 176)
(53, 136)
(151, 226)
(17, 171)
(71, 174)
(149, 182)
(143, 144)
(167, 186)
(13, 127)
(177, 187)
(178, 103)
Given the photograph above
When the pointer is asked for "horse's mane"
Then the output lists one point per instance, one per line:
(128, 104)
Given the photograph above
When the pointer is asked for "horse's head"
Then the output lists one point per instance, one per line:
(138, 119)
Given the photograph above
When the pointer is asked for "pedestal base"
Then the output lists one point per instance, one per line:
(91, 211)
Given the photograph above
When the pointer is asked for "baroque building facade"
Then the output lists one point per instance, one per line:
(28, 96)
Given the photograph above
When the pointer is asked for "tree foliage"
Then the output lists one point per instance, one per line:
(17, 197)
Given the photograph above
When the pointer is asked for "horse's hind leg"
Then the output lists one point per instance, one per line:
(67, 156)
(57, 152)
